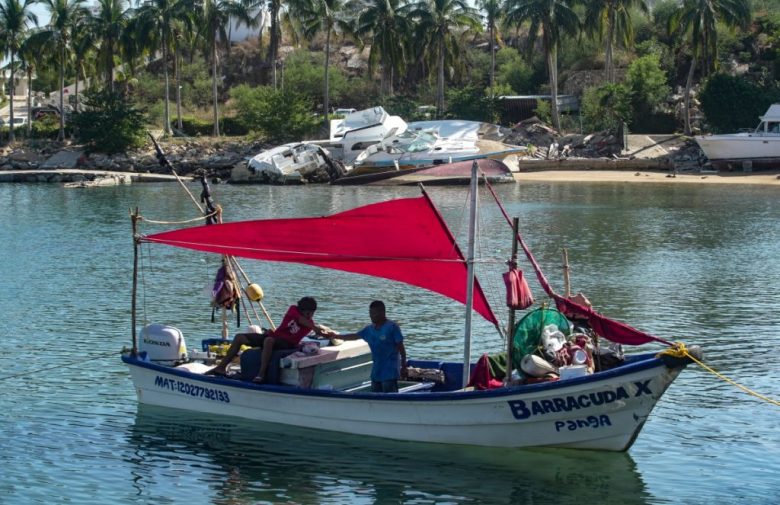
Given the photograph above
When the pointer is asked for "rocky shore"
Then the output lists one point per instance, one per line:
(48, 161)
(62, 162)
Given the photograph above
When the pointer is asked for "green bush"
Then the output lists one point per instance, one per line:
(281, 115)
(471, 103)
(646, 82)
(513, 71)
(109, 124)
(194, 127)
(730, 103)
(543, 111)
(48, 127)
(232, 126)
(605, 107)
(304, 72)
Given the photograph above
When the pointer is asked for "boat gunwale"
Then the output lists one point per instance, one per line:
(638, 363)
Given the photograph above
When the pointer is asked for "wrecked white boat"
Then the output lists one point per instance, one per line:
(288, 164)
(321, 160)
(355, 133)
(428, 143)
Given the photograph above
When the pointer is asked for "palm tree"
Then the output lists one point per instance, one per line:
(322, 16)
(275, 8)
(550, 19)
(83, 49)
(389, 30)
(215, 18)
(15, 19)
(56, 36)
(494, 11)
(614, 18)
(156, 22)
(107, 26)
(700, 19)
(30, 56)
(440, 24)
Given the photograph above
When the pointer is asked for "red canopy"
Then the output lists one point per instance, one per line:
(404, 240)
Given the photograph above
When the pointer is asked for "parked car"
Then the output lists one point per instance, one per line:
(20, 121)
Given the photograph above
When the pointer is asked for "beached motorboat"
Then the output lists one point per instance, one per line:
(287, 164)
(359, 130)
(603, 410)
(759, 148)
(428, 143)
(320, 160)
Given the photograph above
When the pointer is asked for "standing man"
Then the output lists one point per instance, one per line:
(386, 341)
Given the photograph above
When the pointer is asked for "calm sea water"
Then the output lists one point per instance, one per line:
(698, 264)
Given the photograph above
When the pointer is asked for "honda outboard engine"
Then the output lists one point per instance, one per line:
(163, 344)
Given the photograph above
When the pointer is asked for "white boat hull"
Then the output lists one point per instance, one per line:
(603, 411)
(761, 149)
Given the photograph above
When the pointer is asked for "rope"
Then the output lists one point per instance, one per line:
(60, 365)
(678, 350)
(201, 218)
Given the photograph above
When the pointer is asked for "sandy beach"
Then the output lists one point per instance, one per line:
(760, 178)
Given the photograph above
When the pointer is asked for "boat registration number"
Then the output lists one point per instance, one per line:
(191, 389)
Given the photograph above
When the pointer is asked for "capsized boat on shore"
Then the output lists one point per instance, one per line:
(759, 148)
(320, 160)
(428, 143)
(603, 410)
(288, 164)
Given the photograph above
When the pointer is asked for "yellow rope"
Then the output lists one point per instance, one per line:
(678, 350)
(201, 218)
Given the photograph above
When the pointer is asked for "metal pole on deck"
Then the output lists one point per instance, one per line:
(134, 218)
(470, 276)
(511, 322)
(566, 281)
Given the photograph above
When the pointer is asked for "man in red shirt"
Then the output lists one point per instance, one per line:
(296, 324)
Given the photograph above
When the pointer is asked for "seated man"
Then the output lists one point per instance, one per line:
(296, 324)
(386, 341)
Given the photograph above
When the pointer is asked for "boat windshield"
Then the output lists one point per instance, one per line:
(413, 142)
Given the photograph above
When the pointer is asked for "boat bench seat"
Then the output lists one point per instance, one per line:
(250, 364)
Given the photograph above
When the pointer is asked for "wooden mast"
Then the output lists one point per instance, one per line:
(134, 216)
(470, 276)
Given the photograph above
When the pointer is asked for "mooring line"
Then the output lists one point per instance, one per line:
(66, 365)
(679, 350)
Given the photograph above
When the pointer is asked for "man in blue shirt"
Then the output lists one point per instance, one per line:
(386, 341)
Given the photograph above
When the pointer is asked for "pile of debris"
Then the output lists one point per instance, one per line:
(545, 142)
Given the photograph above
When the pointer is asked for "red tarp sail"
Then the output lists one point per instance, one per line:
(404, 240)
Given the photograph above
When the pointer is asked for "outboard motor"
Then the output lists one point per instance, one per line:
(163, 344)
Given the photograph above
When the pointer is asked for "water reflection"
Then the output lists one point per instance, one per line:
(247, 462)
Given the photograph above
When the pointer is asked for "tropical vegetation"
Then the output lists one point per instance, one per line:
(628, 61)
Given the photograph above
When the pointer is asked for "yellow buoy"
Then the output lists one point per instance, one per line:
(255, 293)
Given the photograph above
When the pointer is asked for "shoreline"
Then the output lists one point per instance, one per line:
(764, 178)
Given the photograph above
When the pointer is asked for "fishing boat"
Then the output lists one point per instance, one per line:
(329, 390)
(759, 148)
